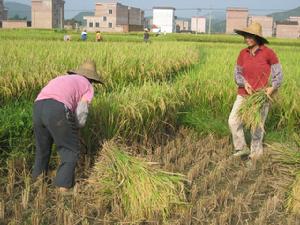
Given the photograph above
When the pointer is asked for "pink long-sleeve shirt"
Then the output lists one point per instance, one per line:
(69, 90)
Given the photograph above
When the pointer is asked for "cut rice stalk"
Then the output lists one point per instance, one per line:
(251, 110)
(293, 203)
(139, 190)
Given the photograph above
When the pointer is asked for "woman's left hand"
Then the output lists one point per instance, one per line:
(270, 91)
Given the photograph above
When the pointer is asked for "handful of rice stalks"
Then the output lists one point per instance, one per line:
(250, 111)
(134, 190)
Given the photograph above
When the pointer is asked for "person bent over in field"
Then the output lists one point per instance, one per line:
(60, 109)
(255, 65)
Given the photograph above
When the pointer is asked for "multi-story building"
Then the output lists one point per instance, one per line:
(164, 19)
(266, 22)
(182, 24)
(47, 14)
(294, 18)
(287, 29)
(3, 11)
(115, 17)
(199, 24)
(236, 18)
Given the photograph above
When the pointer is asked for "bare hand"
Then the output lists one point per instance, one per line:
(269, 91)
(248, 88)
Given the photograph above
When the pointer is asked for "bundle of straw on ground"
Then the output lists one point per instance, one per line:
(134, 190)
(290, 156)
(251, 109)
(293, 203)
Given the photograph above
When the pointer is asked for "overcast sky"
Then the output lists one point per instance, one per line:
(72, 7)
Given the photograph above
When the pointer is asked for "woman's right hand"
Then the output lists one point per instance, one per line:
(248, 88)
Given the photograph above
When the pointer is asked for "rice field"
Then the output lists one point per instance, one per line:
(164, 113)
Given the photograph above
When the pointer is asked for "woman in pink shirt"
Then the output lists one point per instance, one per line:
(60, 109)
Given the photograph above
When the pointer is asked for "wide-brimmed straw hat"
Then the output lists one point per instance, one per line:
(254, 29)
(88, 70)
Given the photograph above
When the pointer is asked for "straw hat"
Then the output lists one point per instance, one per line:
(254, 29)
(88, 70)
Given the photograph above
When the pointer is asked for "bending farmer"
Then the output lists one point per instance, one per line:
(60, 109)
(255, 65)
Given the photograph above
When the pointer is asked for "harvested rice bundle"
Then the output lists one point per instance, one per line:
(289, 156)
(251, 109)
(134, 190)
(293, 203)
(285, 154)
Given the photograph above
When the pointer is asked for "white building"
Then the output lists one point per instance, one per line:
(164, 19)
(199, 24)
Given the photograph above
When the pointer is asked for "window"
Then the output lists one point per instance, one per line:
(91, 24)
(110, 11)
(97, 24)
(104, 18)
(110, 25)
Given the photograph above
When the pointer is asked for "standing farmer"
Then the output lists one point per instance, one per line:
(60, 109)
(255, 65)
(146, 36)
(84, 35)
(98, 36)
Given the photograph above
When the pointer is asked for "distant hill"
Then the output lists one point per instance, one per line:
(79, 17)
(18, 10)
(280, 16)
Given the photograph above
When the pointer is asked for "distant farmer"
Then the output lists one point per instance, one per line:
(146, 36)
(98, 36)
(84, 35)
(60, 109)
(67, 37)
(255, 65)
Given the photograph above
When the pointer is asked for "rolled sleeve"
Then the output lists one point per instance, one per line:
(277, 75)
(82, 111)
(239, 79)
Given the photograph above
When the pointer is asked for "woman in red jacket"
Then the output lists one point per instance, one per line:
(255, 65)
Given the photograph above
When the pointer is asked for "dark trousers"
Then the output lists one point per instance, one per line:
(53, 122)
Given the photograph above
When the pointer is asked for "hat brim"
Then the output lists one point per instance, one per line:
(82, 74)
(245, 33)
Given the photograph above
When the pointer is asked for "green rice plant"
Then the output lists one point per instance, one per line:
(250, 111)
(26, 69)
(136, 189)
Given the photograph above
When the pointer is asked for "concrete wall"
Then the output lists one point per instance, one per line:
(14, 24)
(122, 15)
(164, 19)
(199, 24)
(182, 25)
(236, 18)
(58, 13)
(287, 31)
(135, 16)
(266, 22)
(41, 14)
(295, 19)
(3, 11)
(47, 13)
